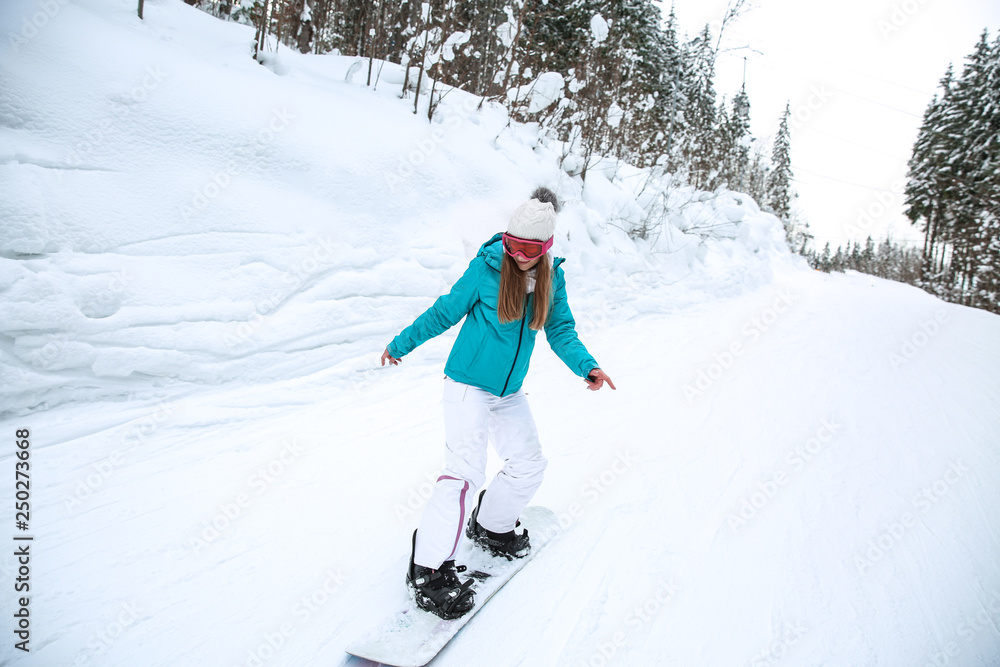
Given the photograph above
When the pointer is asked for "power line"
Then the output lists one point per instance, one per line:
(881, 104)
(840, 180)
(785, 72)
(782, 47)
(848, 141)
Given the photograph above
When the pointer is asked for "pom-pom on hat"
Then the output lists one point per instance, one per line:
(535, 219)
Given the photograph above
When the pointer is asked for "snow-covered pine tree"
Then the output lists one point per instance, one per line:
(868, 257)
(554, 38)
(566, 36)
(559, 35)
(642, 55)
(984, 264)
(953, 180)
(668, 110)
(889, 261)
(475, 45)
(825, 263)
(838, 263)
(699, 150)
(734, 143)
(928, 181)
(966, 117)
(583, 120)
(779, 186)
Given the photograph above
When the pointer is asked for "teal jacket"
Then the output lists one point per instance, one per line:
(488, 354)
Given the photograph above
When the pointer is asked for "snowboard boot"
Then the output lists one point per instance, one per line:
(509, 545)
(440, 591)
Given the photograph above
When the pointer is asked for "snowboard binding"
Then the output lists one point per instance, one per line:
(440, 591)
(509, 545)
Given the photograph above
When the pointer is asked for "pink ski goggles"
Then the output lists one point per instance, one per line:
(526, 248)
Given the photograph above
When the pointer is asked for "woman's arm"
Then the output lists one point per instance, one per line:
(442, 315)
(560, 331)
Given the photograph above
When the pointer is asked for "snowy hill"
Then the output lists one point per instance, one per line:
(275, 206)
(202, 258)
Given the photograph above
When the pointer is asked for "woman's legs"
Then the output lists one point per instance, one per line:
(515, 438)
(471, 418)
(466, 426)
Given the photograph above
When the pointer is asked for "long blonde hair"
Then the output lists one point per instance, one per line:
(513, 292)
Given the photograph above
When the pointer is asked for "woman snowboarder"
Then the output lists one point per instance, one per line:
(511, 290)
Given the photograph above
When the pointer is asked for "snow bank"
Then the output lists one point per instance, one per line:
(176, 213)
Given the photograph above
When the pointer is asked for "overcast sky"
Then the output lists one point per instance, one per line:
(858, 74)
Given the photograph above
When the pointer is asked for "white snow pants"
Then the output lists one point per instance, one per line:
(472, 417)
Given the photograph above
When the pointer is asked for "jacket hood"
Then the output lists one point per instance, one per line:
(492, 252)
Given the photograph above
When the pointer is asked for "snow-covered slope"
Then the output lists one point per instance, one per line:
(179, 213)
(201, 260)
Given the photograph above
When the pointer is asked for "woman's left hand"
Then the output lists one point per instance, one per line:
(599, 378)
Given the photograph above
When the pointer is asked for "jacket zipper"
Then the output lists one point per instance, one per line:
(520, 334)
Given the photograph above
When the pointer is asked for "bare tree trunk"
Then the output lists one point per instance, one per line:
(420, 74)
(935, 215)
(378, 43)
(513, 46)
(140, 8)
(416, 98)
(371, 60)
(262, 28)
(406, 75)
(371, 54)
(489, 58)
(927, 232)
(430, 102)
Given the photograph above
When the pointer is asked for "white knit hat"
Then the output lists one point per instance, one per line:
(535, 219)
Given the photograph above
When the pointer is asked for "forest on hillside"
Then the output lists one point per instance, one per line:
(952, 194)
(620, 79)
(603, 79)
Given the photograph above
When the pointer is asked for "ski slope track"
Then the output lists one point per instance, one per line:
(201, 260)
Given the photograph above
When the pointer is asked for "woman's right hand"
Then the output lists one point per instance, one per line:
(392, 360)
(599, 378)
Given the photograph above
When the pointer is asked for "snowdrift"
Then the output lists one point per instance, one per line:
(176, 213)
(202, 258)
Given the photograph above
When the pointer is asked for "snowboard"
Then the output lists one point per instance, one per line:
(412, 637)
